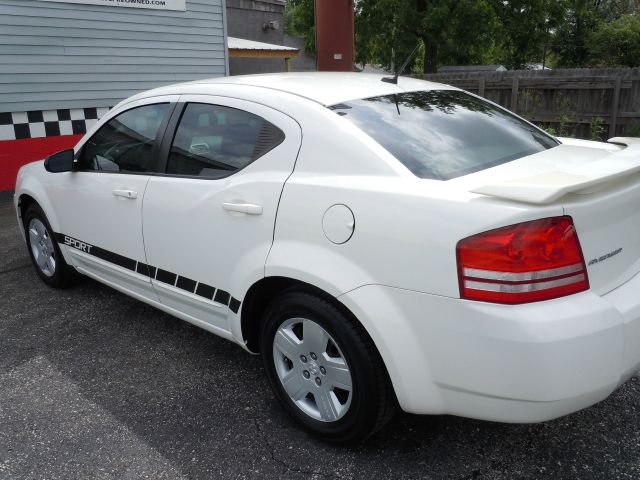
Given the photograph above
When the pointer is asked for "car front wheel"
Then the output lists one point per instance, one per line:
(324, 368)
(44, 251)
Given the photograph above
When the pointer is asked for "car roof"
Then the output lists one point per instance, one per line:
(326, 88)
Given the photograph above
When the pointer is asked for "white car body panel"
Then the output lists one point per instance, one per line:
(325, 88)
(393, 242)
(552, 174)
(609, 226)
(235, 245)
(397, 273)
(80, 196)
(151, 299)
(605, 213)
(32, 181)
(448, 355)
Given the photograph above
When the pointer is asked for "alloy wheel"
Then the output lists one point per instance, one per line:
(312, 369)
(42, 247)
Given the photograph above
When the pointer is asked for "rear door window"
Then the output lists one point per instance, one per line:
(444, 134)
(214, 141)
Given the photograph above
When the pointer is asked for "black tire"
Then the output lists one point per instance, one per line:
(372, 401)
(60, 276)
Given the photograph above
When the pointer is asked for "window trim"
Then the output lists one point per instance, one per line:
(155, 152)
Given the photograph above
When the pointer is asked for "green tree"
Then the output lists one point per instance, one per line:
(614, 9)
(616, 43)
(457, 32)
(299, 20)
(525, 29)
(581, 18)
(385, 31)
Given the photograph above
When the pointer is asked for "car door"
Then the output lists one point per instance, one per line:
(209, 221)
(99, 204)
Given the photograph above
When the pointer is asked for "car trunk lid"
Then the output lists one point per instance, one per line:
(550, 175)
(596, 184)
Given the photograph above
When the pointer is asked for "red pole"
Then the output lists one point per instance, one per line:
(335, 35)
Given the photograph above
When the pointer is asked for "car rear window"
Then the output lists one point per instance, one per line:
(444, 134)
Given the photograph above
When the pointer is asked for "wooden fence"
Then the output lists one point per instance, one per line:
(586, 103)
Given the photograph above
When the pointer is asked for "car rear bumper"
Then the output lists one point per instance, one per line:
(522, 363)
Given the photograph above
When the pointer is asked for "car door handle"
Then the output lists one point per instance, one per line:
(125, 193)
(248, 208)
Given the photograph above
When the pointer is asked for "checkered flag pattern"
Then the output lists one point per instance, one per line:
(48, 123)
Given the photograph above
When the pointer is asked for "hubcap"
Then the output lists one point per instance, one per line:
(42, 247)
(312, 369)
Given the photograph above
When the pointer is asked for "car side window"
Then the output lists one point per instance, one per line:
(125, 143)
(214, 141)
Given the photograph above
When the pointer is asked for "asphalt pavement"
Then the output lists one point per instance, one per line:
(96, 385)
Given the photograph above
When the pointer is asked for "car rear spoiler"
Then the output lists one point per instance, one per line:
(547, 187)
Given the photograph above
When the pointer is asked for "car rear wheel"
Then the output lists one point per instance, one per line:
(44, 250)
(324, 368)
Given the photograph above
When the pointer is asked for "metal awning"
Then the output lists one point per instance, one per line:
(242, 48)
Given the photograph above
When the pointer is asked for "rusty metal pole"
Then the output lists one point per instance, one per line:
(335, 34)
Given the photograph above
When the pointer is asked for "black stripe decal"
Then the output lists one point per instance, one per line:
(112, 257)
(146, 270)
(205, 291)
(222, 297)
(234, 305)
(101, 253)
(166, 277)
(184, 283)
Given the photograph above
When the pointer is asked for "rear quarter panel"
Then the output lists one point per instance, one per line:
(406, 228)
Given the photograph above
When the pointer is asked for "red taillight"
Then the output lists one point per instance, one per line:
(526, 262)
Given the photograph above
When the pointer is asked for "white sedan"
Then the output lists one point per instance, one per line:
(379, 244)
